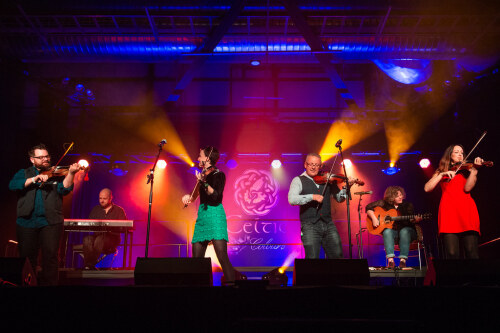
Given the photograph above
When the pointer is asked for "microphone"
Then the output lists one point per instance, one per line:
(162, 142)
(338, 143)
(365, 192)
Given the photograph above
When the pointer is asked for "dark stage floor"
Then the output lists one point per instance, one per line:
(126, 307)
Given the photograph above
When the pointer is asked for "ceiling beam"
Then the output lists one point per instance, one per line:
(206, 48)
(317, 46)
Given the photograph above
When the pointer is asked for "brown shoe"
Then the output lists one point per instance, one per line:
(402, 263)
(390, 264)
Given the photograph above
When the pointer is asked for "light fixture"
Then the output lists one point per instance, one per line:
(162, 164)
(276, 164)
(347, 162)
(276, 277)
(424, 163)
(255, 62)
(83, 163)
(231, 164)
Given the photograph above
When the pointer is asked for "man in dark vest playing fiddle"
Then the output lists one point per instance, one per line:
(316, 225)
(39, 211)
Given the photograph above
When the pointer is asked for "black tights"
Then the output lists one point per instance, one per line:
(220, 247)
(469, 240)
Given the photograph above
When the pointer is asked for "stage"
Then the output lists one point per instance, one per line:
(125, 277)
(287, 309)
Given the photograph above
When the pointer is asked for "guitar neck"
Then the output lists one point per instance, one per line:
(403, 218)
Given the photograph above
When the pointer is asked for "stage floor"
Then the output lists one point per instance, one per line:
(75, 308)
(125, 277)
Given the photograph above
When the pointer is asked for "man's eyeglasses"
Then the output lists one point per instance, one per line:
(313, 165)
(47, 157)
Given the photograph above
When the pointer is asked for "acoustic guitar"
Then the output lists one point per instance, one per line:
(387, 218)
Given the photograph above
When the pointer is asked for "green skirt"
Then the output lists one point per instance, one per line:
(211, 224)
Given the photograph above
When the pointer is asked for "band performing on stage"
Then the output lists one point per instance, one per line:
(41, 187)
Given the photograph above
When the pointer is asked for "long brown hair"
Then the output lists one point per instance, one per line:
(445, 162)
(392, 192)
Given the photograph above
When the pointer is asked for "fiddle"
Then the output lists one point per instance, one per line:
(57, 171)
(321, 178)
(461, 166)
(469, 165)
(202, 176)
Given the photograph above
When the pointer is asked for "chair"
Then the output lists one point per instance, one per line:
(78, 249)
(416, 245)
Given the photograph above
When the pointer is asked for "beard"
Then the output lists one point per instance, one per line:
(44, 166)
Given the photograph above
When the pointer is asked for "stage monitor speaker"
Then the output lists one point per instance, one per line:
(17, 271)
(461, 272)
(173, 271)
(328, 272)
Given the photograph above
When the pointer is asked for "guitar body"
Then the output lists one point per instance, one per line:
(385, 220)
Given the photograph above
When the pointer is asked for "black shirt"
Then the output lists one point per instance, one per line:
(217, 180)
(405, 208)
(114, 213)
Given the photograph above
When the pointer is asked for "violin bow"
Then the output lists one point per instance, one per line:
(67, 150)
(466, 157)
(327, 180)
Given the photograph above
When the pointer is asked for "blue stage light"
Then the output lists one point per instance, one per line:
(391, 170)
(193, 170)
(118, 170)
(407, 71)
(231, 164)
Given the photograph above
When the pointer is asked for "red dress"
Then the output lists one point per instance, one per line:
(457, 209)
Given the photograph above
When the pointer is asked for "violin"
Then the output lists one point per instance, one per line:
(322, 177)
(59, 171)
(204, 173)
(469, 165)
(459, 166)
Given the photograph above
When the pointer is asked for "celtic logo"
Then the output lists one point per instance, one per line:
(256, 192)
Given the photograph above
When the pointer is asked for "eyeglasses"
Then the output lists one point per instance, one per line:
(47, 157)
(313, 165)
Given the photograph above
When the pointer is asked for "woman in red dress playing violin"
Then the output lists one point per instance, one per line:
(458, 219)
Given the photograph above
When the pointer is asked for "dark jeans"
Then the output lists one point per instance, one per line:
(94, 245)
(47, 238)
(321, 234)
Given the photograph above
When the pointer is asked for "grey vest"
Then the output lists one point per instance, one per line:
(51, 199)
(308, 212)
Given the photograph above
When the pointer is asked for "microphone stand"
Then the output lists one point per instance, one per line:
(360, 239)
(151, 177)
(347, 200)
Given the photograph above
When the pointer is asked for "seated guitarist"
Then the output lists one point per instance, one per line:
(402, 231)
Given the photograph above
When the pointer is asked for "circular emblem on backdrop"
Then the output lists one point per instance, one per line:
(256, 192)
